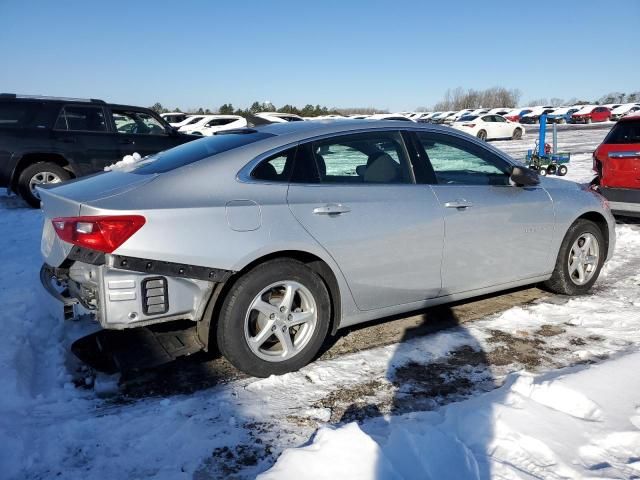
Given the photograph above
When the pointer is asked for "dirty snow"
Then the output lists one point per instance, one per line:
(546, 390)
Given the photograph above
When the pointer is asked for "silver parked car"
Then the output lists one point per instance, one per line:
(269, 239)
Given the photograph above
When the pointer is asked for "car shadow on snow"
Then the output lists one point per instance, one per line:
(413, 436)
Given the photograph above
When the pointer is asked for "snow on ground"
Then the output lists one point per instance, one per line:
(546, 390)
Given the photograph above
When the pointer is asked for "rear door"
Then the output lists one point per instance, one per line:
(494, 232)
(362, 205)
(82, 134)
(139, 131)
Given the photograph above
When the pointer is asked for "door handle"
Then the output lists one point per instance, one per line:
(331, 209)
(459, 204)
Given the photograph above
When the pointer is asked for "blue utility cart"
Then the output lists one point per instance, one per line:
(547, 161)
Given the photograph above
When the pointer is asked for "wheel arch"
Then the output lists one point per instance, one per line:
(31, 158)
(600, 221)
(315, 263)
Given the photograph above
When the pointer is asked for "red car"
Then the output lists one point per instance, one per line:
(590, 114)
(617, 165)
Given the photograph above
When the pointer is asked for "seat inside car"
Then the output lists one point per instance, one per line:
(266, 171)
(381, 168)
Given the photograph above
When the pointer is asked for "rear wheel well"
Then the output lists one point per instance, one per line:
(601, 222)
(315, 263)
(35, 157)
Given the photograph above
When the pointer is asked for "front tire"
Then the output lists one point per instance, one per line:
(580, 259)
(275, 318)
(39, 174)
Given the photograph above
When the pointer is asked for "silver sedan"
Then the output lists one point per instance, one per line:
(270, 239)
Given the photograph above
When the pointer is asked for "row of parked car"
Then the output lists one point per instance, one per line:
(531, 115)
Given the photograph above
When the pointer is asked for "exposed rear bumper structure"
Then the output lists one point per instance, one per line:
(622, 201)
(126, 292)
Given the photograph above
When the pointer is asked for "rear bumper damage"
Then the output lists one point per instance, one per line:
(126, 292)
(622, 201)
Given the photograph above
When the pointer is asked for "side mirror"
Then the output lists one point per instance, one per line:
(524, 177)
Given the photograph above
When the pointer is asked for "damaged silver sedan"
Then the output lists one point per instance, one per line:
(270, 239)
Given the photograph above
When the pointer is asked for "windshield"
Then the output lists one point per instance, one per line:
(197, 150)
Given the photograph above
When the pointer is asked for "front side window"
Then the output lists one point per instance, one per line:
(376, 157)
(456, 161)
(498, 118)
(81, 118)
(138, 123)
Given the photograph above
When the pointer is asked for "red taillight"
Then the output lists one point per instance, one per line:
(104, 234)
(470, 125)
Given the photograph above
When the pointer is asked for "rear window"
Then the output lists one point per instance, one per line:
(198, 150)
(467, 118)
(624, 132)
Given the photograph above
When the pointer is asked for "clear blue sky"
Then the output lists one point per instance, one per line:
(392, 54)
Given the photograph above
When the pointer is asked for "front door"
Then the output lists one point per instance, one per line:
(495, 232)
(140, 132)
(384, 231)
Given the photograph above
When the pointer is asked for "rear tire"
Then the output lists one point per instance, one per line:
(562, 170)
(563, 281)
(588, 120)
(517, 134)
(255, 318)
(551, 170)
(41, 173)
(482, 135)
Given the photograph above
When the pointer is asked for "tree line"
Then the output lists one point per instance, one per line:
(454, 99)
(308, 110)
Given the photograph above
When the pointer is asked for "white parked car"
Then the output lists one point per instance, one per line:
(195, 126)
(499, 111)
(389, 116)
(277, 117)
(622, 110)
(190, 120)
(489, 127)
(175, 118)
(439, 117)
(220, 122)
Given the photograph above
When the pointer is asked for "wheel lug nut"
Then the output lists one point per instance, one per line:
(282, 309)
(273, 329)
(272, 316)
(290, 317)
(284, 329)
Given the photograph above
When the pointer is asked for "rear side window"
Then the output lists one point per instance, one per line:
(197, 150)
(376, 157)
(624, 132)
(17, 114)
(276, 168)
(82, 119)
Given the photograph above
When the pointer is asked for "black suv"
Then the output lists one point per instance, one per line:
(49, 140)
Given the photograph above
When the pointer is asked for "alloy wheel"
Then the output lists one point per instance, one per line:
(280, 321)
(583, 259)
(42, 178)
